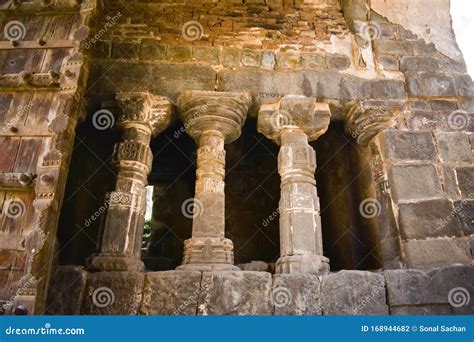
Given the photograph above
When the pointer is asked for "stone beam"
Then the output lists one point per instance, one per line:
(291, 122)
(212, 119)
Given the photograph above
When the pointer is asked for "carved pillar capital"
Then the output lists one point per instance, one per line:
(364, 122)
(293, 112)
(144, 110)
(213, 111)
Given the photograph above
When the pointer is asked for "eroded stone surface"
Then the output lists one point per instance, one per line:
(235, 293)
(296, 294)
(171, 293)
(428, 291)
(113, 293)
(364, 296)
(66, 290)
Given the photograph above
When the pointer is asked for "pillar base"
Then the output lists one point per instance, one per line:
(208, 253)
(104, 262)
(313, 264)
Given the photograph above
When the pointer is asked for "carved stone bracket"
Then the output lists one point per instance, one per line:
(364, 122)
(291, 122)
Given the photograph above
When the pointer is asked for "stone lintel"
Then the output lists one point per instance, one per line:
(209, 110)
(294, 111)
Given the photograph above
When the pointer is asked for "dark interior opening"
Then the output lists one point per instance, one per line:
(342, 170)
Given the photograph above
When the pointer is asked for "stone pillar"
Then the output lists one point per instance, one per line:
(212, 119)
(292, 122)
(142, 116)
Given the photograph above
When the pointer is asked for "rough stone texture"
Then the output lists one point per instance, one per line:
(465, 177)
(428, 219)
(365, 295)
(465, 212)
(116, 293)
(409, 145)
(296, 294)
(66, 290)
(454, 146)
(235, 293)
(436, 252)
(171, 293)
(427, 291)
(412, 182)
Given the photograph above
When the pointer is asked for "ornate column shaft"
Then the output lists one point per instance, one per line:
(142, 116)
(212, 119)
(292, 122)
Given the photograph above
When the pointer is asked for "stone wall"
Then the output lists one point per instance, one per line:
(395, 292)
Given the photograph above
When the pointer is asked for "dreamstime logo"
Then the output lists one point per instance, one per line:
(458, 120)
(370, 31)
(15, 208)
(281, 297)
(459, 297)
(370, 208)
(192, 207)
(103, 297)
(192, 30)
(103, 119)
(280, 118)
(14, 31)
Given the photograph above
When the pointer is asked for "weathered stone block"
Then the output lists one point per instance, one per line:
(113, 293)
(235, 293)
(230, 57)
(419, 64)
(453, 146)
(125, 50)
(411, 182)
(450, 185)
(268, 59)
(393, 47)
(385, 89)
(364, 296)
(313, 61)
(209, 54)
(179, 53)
(171, 293)
(428, 219)
(338, 62)
(150, 49)
(464, 85)
(288, 60)
(389, 62)
(430, 290)
(465, 212)
(436, 252)
(408, 145)
(465, 177)
(430, 84)
(296, 294)
(250, 58)
(66, 290)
